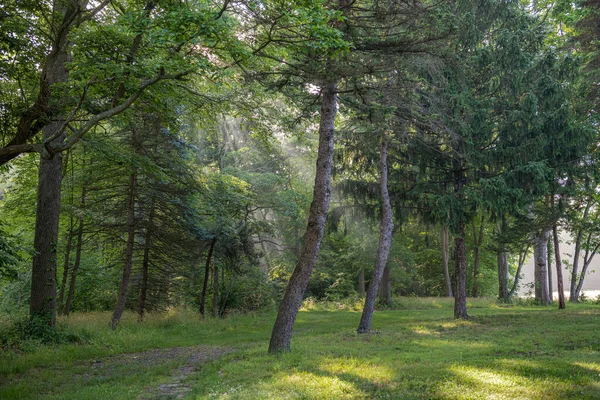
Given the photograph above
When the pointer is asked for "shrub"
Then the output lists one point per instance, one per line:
(23, 333)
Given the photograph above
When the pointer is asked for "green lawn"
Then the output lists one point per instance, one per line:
(418, 351)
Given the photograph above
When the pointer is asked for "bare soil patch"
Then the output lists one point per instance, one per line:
(175, 388)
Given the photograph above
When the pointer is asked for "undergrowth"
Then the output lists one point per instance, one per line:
(26, 334)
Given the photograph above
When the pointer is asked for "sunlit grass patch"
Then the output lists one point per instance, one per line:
(416, 353)
(478, 383)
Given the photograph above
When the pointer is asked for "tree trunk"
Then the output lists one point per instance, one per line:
(122, 297)
(549, 248)
(386, 225)
(503, 294)
(215, 290)
(502, 258)
(587, 260)
(227, 293)
(206, 276)
(281, 335)
(575, 269)
(66, 267)
(141, 306)
(71, 293)
(43, 271)
(476, 263)
(581, 278)
(446, 260)
(522, 258)
(460, 296)
(478, 241)
(361, 282)
(559, 277)
(540, 252)
(385, 287)
(54, 71)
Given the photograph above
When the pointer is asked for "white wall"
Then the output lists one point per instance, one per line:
(591, 285)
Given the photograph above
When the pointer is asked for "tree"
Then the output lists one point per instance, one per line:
(386, 226)
(91, 86)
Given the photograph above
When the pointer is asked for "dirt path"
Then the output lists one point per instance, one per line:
(175, 388)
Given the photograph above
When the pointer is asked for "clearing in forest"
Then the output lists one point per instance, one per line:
(415, 352)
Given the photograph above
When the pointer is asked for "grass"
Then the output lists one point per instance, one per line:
(416, 352)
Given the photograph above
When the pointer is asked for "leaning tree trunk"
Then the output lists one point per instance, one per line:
(446, 260)
(122, 297)
(559, 277)
(522, 258)
(386, 225)
(206, 276)
(71, 293)
(141, 306)
(75, 269)
(586, 263)
(460, 255)
(588, 256)
(575, 267)
(288, 309)
(70, 233)
(540, 253)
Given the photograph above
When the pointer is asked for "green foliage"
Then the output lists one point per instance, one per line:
(26, 334)
(340, 259)
(9, 256)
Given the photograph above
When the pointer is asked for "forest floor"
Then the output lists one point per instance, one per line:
(416, 351)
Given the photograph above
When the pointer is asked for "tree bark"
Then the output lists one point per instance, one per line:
(587, 260)
(460, 296)
(66, 267)
(575, 270)
(206, 276)
(75, 268)
(522, 258)
(122, 297)
(478, 241)
(281, 335)
(361, 283)
(503, 294)
(70, 233)
(385, 287)
(550, 248)
(446, 260)
(43, 272)
(141, 306)
(48, 104)
(386, 226)
(559, 277)
(540, 252)
(215, 290)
